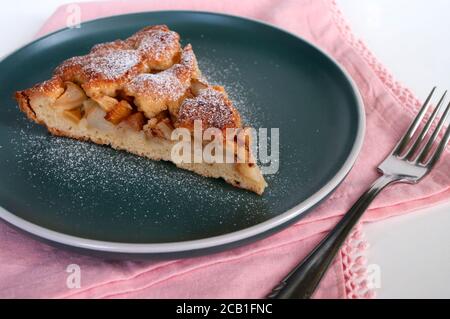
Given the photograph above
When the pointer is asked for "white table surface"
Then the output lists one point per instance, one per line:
(410, 38)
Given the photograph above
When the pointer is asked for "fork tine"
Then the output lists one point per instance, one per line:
(440, 148)
(426, 129)
(426, 151)
(415, 124)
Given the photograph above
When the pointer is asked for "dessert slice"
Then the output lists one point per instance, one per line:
(133, 94)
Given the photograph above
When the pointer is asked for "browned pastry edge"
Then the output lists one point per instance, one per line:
(24, 105)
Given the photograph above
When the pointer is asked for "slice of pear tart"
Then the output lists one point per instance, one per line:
(134, 94)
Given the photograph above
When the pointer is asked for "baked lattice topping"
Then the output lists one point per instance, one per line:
(212, 107)
(110, 65)
(132, 94)
(156, 92)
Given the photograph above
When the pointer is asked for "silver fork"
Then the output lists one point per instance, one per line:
(409, 162)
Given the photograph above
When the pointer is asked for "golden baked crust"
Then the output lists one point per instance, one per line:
(109, 65)
(156, 92)
(131, 94)
(212, 107)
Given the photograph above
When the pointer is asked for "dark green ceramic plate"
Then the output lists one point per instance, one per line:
(94, 198)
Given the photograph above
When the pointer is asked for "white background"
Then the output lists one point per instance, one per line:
(411, 38)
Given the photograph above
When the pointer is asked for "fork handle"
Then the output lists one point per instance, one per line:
(303, 280)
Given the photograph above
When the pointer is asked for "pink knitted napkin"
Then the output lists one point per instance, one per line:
(32, 269)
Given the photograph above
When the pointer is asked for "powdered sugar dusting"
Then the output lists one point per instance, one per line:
(154, 47)
(157, 43)
(148, 191)
(114, 64)
(240, 93)
(168, 85)
(211, 107)
(227, 73)
(161, 85)
(109, 66)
